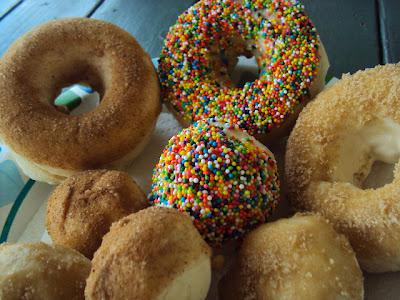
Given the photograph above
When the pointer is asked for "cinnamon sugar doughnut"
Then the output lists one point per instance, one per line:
(81, 209)
(33, 271)
(156, 253)
(330, 152)
(50, 145)
(201, 49)
(300, 258)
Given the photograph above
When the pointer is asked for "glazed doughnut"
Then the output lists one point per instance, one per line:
(50, 145)
(202, 48)
(156, 253)
(302, 257)
(39, 271)
(330, 152)
(81, 209)
(225, 179)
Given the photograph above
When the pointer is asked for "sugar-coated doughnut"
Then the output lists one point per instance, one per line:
(50, 145)
(36, 271)
(81, 209)
(223, 178)
(300, 258)
(156, 253)
(202, 47)
(330, 152)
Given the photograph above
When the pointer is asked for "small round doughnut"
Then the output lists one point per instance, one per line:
(302, 257)
(156, 253)
(201, 49)
(330, 152)
(40, 271)
(222, 177)
(81, 209)
(50, 145)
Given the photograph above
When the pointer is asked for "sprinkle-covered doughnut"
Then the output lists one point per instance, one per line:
(223, 178)
(204, 44)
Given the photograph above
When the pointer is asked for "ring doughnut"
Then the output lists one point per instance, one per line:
(155, 253)
(302, 257)
(202, 48)
(81, 209)
(41, 271)
(50, 145)
(223, 178)
(336, 140)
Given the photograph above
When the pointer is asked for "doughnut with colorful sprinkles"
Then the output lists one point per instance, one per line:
(224, 178)
(202, 48)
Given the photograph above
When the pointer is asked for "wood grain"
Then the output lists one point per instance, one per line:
(33, 12)
(389, 12)
(7, 5)
(349, 31)
(147, 20)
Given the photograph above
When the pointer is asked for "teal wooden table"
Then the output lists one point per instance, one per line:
(357, 33)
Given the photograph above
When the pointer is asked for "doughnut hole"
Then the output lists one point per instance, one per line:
(88, 67)
(367, 157)
(77, 100)
(246, 70)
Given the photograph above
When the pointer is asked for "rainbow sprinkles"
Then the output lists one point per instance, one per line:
(201, 46)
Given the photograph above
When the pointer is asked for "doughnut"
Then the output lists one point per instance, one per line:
(81, 209)
(336, 140)
(40, 271)
(301, 257)
(50, 145)
(222, 177)
(156, 253)
(201, 49)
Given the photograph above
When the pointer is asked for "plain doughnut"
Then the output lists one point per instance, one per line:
(300, 258)
(330, 152)
(81, 209)
(155, 253)
(36, 271)
(50, 145)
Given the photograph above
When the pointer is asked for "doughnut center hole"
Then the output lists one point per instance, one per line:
(367, 156)
(245, 70)
(381, 173)
(77, 99)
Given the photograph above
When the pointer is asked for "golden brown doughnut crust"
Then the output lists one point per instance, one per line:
(143, 253)
(370, 218)
(62, 52)
(37, 271)
(81, 209)
(300, 258)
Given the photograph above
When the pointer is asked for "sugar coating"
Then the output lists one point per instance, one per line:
(198, 49)
(228, 186)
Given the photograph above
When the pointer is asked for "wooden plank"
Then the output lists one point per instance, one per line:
(7, 5)
(33, 12)
(389, 18)
(349, 31)
(147, 20)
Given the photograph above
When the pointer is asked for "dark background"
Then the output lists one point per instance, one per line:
(356, 33)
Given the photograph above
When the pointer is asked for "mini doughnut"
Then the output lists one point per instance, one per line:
(330, 152)
(40, 271)
(50, 145)
(202, 48)
(81, 209)
(156, 253)
(222, 177)
(300, 258)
